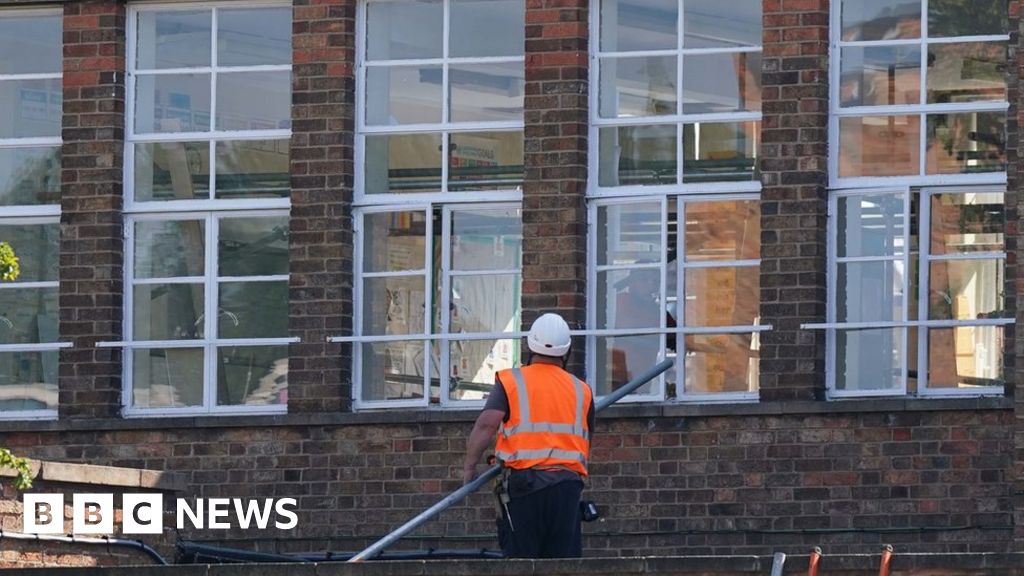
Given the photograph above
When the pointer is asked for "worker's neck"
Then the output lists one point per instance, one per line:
(538, 359)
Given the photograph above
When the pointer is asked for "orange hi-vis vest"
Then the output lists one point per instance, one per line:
(547, 422)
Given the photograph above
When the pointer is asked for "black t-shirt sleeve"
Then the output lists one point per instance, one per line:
(497, 399)
(591, 417)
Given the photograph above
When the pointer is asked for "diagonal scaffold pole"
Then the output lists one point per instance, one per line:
(455, 497)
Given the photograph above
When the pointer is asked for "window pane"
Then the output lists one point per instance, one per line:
(715, 83)
(869, 291)
(168, 312)
(629, 233)
(28, 380)
(719, 363)
(253, 169)
(486, 161)
(629, 25)
(965, 357)
(487, 239)
(29, 176)
(729, 230)
(170, 248)
(880, 19)
(717, 24)
(28, 315)
(402, 30)
(880, 75)
(966, 289)
(35, 39)
(393, 305)
(253, 310)
(394, 241)
(487, 28)
(637, 155)
(474, 364)
(403, 95)
(485, 303)
(644, 86)
(727, 296)
(968, 222)
(173, 103)
(173, 39)
(720, 152)
(870, 359)
(252, 246)
(172, 171)
(252, 37)
(167, 377)
(487, 92)
(622, 358)
(629, 299)
(966, 72)
(870, 225)
(879, 146)
(31, 108)
(37, 247)
(403, 163)
(975, 18)
(252, 375)
(966, 143)
(238, 110)
(392, 370)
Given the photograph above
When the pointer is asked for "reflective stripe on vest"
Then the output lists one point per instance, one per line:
(525, 425)
(542, 454)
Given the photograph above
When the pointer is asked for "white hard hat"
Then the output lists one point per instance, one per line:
(549, 336)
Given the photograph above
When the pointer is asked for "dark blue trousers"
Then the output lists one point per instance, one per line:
(544, 524)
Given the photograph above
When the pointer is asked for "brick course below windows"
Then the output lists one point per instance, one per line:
(755, 484)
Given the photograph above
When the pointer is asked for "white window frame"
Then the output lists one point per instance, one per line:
(444, 336)
(922, 110)
(658, 392)
(213, 135)
(923, 269)
(31, 215)
(211, 281)
(428, 202)
(211, 210)
(446, 127)
(594, 189)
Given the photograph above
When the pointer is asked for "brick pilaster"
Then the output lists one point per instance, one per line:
(1014, 343)
(91, 246)
(794, 159)
(554, 206)
(320, 288)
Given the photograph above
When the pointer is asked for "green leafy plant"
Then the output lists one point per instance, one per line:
(9, 269)
(23, 481)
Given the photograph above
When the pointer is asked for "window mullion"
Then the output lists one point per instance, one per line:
(444, 368)
(212, 290)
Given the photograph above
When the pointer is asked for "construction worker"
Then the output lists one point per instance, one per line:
(543, 417)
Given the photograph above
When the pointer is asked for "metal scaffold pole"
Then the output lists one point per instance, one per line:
(455, 497)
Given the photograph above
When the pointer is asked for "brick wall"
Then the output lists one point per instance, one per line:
(320, 247)
(91, 245)
(554, 210)
(794, 159)
(1014, 283)
(729, 484)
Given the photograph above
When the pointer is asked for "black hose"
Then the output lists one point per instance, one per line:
(72, 539)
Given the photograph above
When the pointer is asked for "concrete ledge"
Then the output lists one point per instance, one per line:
(404, 416)
(1010, 564)
(89, 474)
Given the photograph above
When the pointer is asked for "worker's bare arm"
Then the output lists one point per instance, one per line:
(480, 438)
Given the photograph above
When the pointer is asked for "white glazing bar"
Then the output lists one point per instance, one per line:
(454, 60)
(40, 347)
(213, 134)
(915, 109)
(669, 119)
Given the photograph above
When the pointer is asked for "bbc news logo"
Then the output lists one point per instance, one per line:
(144, 513)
